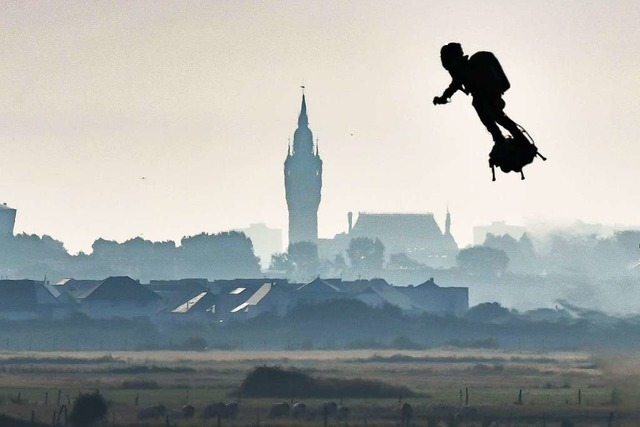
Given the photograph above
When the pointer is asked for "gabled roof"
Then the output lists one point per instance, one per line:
(356, 286)
(52, 290)
(46, 294)
(255, 298)
(78, 289)
(225, 286)
(394, 228)
(204, 301)
(121, 289)
(175, 292)
(318, 285)
(392, 296)
(428, 284)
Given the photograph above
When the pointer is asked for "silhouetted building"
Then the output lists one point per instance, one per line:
(119, 297)
(28, 299)
(448, 242)
(175, 292)
(416, 235)
(266, 241)
(7, 220)
(303, 182)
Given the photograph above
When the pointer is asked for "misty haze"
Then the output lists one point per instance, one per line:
(319, 214)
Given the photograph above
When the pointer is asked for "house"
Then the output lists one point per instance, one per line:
(378, 295)
(76, 289)
(271, 297)
(202, 307)
(316, 291)
(432, 298)
(120, 297)
(176, 292)
(29, 299)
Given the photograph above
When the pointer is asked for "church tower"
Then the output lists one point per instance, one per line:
(450, 246)
(447, 223)
(303, 182)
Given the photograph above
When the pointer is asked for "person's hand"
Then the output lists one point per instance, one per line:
(439, 100)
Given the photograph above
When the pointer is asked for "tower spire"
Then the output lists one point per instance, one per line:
(303, 120)
(447, 222)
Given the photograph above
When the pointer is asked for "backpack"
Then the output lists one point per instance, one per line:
(512, 154)
(487, 74)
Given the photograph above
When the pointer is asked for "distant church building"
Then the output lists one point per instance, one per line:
(303, 182)
(416, 235)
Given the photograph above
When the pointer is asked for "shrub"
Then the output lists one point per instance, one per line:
(139, 385)
(268, 381)
(88, 409)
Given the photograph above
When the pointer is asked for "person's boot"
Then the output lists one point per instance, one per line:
(498, 138)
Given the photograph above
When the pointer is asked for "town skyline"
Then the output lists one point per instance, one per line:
(121, 122)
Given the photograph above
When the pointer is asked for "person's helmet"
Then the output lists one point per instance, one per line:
(450, 54)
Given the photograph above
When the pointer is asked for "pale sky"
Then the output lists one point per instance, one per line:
(200, 98)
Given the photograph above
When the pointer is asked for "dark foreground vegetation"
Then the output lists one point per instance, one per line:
(266, 381)
(337, 324)
(358, 388)
(7, 421)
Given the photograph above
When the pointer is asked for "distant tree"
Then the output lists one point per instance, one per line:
(88, 409)
(340, 262)
(504, 242)
(339, 265)
(401, 261)
(482, 261)
(486, 312)
(281, 262)
(226, 255)
(29, 255)
(628, 242)
(304, 260)
(137, 257)
(366, 256)
(572, 255)
(522, 256)
(333, 268)
(526, 245)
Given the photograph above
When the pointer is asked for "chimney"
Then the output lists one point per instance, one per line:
(350, 218)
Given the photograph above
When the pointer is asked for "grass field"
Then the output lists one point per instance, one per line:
(582, 387)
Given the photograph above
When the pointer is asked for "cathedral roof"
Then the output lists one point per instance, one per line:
(397, 227)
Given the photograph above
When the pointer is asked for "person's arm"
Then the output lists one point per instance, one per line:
(453, 88)
(448, 93)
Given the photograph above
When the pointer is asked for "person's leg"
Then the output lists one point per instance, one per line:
(487, 114)
(505, 121)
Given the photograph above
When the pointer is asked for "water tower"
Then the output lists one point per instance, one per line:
(7, 220)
